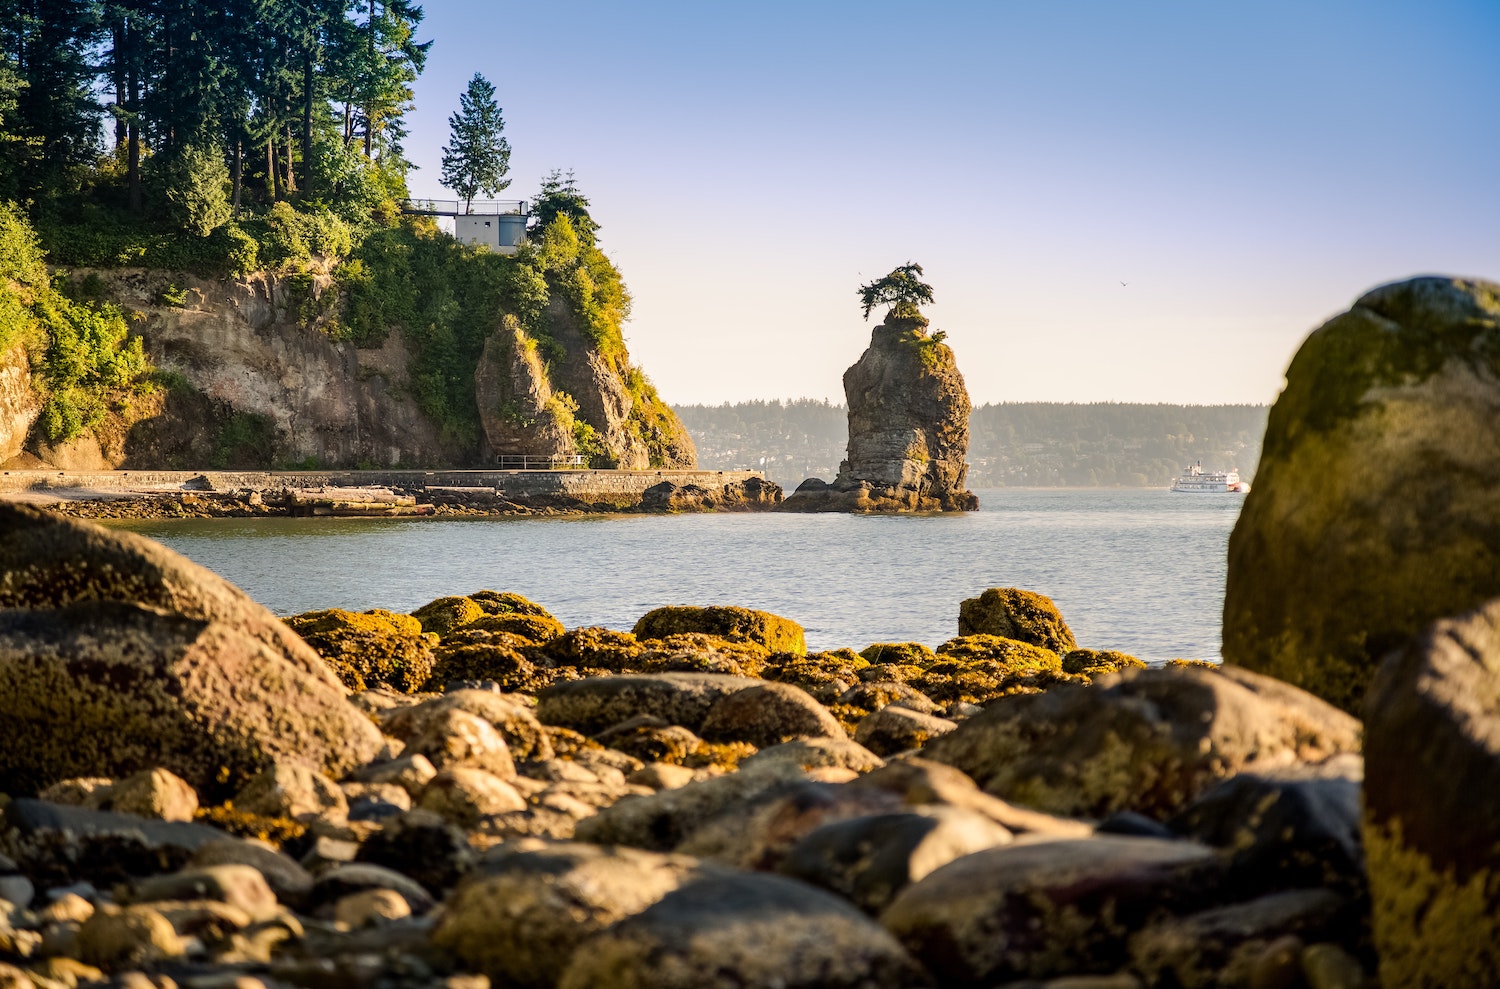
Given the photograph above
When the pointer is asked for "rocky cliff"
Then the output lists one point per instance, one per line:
(561, 395)
(250, 373)
(908, 427)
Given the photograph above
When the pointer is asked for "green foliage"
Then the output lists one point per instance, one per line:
(446, 298)
(89, 355)
(902, 290)
(294, 239)
(196, 182)
(477, 155)
(562, 197)
(21, 257)
(172, 295)
(587, 279)
(82, 353)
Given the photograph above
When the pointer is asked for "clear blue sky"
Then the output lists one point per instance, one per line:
(1248, 168)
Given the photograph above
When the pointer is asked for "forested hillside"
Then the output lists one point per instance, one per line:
(1042, 444)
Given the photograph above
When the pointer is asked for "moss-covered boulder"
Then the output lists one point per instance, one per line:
(447, 613)
(1375, 509)
(697, 652)
(1148, 741)
(777, 634)
(1432, 805)
(595, 648)
(1012, 613)
(1099, 662)
(824, 675)
(507, 603)
(118, 655)
(375, 648)
(537, 628)
(1014, 655)
(898, 654)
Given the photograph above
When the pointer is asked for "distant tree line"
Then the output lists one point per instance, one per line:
(1015, 444)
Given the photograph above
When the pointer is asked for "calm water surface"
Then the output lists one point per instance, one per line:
(1136, 570)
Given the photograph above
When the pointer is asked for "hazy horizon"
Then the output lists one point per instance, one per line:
(1248, 172)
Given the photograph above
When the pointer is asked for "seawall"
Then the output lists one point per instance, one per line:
(617, 487)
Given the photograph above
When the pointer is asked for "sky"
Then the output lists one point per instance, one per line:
(1135, 202)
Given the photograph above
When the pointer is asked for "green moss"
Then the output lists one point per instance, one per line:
(506, 603)
(444, 614)
(775, 633)
(1016, 614)
(537, 628)
(899, 653)
(1098, 662)
(1431, 928)
(373, 648)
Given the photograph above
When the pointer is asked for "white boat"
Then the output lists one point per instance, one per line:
(1195, 480)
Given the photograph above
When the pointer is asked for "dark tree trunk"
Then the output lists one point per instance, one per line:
(291, 174)
(237, 173)
(307, 121)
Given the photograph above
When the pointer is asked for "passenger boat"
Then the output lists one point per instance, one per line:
(1195, 480)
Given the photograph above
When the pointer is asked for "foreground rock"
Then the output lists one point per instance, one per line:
(117, 656)
(527, 911)
(1432, 805)
(1031, 910)
(1374, 508)
(908, 428)
(744, 930)
(1141, 740)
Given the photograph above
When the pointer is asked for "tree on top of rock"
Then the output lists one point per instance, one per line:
(476, 156)
(902, 290)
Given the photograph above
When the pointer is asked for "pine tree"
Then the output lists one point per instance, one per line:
(476, 156)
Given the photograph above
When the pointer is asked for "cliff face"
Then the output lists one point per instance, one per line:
(573, 399)
(249, 384)
(252, 378)
(908, 428)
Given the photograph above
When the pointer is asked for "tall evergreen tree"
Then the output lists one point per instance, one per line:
(477, 155)
(54, 124)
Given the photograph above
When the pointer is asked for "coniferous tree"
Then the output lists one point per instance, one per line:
(54, 122)
(477, 155)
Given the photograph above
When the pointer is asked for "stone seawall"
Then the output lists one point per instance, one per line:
(618, 487)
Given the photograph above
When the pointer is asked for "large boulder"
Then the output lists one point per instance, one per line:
(736, 624)
(908, 428)
(1432, 805)
(594, 704)
(1033, 910)
(1148, 741)
(375, 648)
(527, 910)
(117, 656)
(1375, 509)
(743, 930)
(1012, 613)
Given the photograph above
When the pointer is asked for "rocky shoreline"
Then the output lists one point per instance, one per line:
(195, 794)
(392, 502)
(200, 795)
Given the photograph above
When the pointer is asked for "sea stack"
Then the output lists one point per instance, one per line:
(908, 416)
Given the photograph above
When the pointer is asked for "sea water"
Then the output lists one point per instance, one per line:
(1139, 570)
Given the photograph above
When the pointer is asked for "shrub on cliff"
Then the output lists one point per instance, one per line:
(81, 352)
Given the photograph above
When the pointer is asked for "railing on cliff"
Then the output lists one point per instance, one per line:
(507, 461)
(455, 207)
